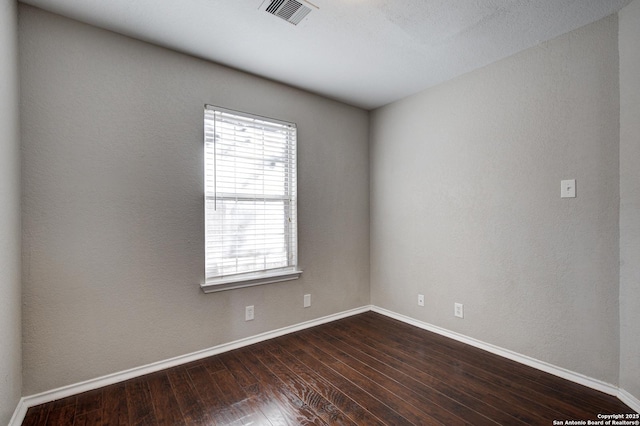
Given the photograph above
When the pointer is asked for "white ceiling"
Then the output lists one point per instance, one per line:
(363, 52)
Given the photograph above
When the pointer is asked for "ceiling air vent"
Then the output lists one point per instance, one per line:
(291, 11)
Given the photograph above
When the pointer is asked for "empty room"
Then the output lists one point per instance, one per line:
(381, 212)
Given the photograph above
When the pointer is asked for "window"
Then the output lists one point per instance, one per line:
(250, 200)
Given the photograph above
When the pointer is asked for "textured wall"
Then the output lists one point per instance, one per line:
(630, 198)
(113, 209)
(10, 292)
(466, 207)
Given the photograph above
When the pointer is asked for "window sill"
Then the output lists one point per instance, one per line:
(223, 284)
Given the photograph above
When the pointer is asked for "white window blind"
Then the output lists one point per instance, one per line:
(250, 199)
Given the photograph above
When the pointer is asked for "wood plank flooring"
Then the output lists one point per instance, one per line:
(363, 370)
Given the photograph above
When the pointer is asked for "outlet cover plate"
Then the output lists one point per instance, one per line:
(458, 310)
(248, 313)
(421, 300)
(307, 300)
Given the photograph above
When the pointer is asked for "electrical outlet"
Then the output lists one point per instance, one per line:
(307, 300)
(248, 313)
(458, 310)
(421, 300)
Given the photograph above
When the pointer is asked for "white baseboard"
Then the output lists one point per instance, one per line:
(630, 400)
(19, 413)
(52, 395)
(65, 391)
(506, 353)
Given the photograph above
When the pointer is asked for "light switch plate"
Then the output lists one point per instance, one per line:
(568, 188)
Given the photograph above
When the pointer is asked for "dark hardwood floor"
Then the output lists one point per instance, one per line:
(363, 370)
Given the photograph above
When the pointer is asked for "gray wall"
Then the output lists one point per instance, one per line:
(630, 198)
(466, 207)
(113, 204)
(10, 293)
(464, 203)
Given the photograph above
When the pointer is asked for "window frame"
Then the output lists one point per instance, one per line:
(266, 276)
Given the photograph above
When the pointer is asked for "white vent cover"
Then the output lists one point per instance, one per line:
(291, 11)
